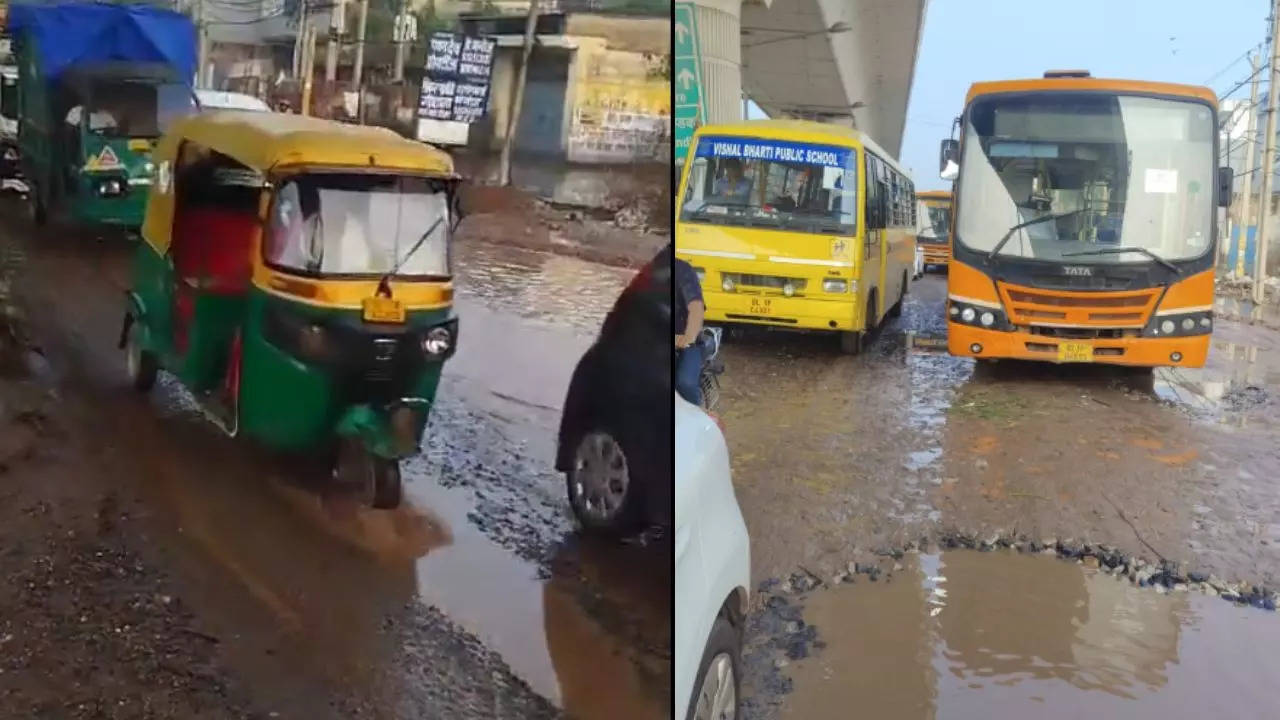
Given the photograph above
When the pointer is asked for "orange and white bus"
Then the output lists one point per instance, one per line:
(933, 228)
(1084, 221)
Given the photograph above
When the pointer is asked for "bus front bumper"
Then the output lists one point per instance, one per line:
(800, 313)
(968, 341)
(934, 255)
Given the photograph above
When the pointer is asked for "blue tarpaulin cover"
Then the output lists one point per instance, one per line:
(69, 33)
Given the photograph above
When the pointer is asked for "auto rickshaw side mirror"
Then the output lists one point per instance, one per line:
(456, 210)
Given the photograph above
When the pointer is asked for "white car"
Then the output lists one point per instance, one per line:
(713, 570)
(226, 100)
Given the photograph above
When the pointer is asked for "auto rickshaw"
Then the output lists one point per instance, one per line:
(295, 276)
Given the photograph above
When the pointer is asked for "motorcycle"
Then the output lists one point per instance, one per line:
(712, 366)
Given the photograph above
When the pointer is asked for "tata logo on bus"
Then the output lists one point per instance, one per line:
(1077, 270)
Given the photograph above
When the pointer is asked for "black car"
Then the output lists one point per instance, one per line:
(616, 432)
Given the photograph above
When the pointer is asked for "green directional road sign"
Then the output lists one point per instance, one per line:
(687, 76)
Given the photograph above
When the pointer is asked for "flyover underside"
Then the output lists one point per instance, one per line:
(842, 61)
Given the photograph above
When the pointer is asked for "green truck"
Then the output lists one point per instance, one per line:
(97, 86)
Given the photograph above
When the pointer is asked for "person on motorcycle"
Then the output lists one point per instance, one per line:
(688, 313)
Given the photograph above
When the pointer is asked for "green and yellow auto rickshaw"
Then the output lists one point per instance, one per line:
(295, 276)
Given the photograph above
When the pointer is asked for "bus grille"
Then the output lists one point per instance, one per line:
(774, 282)
(1057, 311)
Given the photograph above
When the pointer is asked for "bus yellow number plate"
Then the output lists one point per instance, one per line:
(383, 310)
(761, 306)
(1075, 352)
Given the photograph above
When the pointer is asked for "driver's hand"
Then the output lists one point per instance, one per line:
(681, 342)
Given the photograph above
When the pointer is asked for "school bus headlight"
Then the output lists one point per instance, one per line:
(1167, 327)
(987, 319)
(968, 314)
(1181, 324)
(788, 289)
(832, 285)
(727, 285)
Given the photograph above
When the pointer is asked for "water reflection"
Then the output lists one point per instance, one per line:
(980, 635)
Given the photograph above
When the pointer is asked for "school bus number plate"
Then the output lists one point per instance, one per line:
(383, 310)
(1075, 352)
(761, 306)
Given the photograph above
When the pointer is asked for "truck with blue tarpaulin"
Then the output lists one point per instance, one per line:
(98, 85)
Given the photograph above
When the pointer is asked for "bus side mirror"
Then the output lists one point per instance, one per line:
(1225, 178)
(948, 155)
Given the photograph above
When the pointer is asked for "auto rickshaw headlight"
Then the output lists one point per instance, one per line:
(437, 341)
(311, 341)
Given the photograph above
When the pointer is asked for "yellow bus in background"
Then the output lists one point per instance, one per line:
(1084, 221)
(796, 224)
(933, 226)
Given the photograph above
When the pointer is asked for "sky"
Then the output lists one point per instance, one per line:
(1196, 42)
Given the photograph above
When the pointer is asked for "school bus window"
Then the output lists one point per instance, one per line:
(796, 187)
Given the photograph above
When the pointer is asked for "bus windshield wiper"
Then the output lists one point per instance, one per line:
(1119, 250)
(1034, 221)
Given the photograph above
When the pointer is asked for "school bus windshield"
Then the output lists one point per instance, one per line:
(939, 225)
(1101, 172)
(754, 182)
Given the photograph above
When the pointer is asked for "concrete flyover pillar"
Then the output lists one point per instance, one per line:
(720, 41)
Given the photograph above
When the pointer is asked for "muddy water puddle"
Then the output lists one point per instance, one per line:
(1242, 374)
(980, 635)
(538, 285)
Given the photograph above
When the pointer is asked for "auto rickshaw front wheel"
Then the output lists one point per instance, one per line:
(141, 364)
(377, 477)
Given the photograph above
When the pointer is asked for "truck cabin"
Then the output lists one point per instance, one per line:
(120, 100)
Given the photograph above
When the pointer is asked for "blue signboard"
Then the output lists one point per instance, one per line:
(721, 146)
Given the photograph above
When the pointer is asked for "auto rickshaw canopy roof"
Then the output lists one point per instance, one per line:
(269, 141)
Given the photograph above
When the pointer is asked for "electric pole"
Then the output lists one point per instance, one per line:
(517, 96)
(1251, 136)
(402, 34)
(308, 70)
(1268, 161)
(299, 39)
(337, 21)
(202, 44)
(358, 71)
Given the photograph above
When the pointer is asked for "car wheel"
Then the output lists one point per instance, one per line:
(141, 364)
(719, 681)
(602, 492)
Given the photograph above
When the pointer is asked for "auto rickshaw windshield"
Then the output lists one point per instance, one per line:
(360, 224)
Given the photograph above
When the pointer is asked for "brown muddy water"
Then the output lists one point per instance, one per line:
(965, 634)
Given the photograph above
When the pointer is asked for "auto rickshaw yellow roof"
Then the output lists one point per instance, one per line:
(268, 140)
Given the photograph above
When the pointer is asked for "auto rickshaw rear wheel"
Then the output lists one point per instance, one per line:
(35, 205)
(142, 365)
(388, 489)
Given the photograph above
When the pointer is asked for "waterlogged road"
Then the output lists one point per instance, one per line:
(476, 599)
(839, 461)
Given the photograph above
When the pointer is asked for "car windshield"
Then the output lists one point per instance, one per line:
(1121, 171)
(136, 109)
(772, 184)
(354, 224)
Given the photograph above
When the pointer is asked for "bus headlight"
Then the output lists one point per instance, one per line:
(987, 318)
(1181, 324)
(727, 285)
(832, 285)
(788, 289)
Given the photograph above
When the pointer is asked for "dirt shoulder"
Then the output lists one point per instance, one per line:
(622, 237)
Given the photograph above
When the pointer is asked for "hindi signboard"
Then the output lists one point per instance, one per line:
(455, 87)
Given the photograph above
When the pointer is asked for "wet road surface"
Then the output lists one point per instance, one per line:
(475, 599)
(839, 460)
(966, 634)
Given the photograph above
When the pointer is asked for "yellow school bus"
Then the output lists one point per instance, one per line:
(1084, 221)
(933, 228)
(796, 224)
